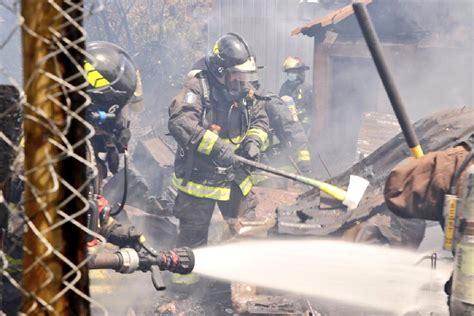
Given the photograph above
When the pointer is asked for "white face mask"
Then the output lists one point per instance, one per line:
(292, 76)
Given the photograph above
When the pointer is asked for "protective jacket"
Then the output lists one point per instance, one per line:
(287, 141)
(416, 187)
(303, 96)
(202, 121)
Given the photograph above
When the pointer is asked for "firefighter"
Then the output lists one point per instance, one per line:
(301, 92)
(11, 220)
(114, 87)
(115, 90)
(287, 147)
(216, 115)
(417, 188)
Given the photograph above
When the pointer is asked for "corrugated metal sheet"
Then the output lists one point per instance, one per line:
(266, 25)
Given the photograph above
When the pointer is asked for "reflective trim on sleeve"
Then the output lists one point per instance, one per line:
(275, 140)
(234, 141)
(303, 155)
(261, 135)
(246, 185)
(264, 147)
(207, 143)
(201, 190)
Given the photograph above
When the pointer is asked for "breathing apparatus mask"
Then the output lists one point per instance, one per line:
(241, 81)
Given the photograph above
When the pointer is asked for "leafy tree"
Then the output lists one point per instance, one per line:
(164, 37)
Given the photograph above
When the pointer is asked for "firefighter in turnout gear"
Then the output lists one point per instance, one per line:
(216, 115)
(301, 92)
(287, 147)
(115, 86)
(424, 188)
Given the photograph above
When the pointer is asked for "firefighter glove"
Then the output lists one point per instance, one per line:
(113, 159)
(251, 150)
(123, 139)
(134, 239)
(224, 155)
(123, 235)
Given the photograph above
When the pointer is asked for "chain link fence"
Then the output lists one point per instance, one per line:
(45, 170)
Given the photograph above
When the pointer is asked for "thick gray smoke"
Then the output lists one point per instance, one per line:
(10, 43)
(429, 48)
(266, 25)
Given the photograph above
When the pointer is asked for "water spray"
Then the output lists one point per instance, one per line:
(373, 277)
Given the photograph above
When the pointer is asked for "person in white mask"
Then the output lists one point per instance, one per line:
(301, 92)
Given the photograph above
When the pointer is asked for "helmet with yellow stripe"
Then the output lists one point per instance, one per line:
(114, 80)
(233, 64)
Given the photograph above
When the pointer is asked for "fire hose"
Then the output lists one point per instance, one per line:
(128, 260)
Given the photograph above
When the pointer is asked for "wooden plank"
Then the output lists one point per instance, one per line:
(44, 272)
(321, 88)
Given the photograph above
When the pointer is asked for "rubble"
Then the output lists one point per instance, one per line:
(439, 131)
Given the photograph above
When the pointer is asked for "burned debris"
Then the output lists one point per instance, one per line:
(129, 126)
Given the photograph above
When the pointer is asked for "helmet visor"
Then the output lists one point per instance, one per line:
(239, 84)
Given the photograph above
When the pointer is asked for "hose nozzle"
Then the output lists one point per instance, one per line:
(179, 260)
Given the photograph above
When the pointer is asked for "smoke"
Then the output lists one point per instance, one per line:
(10, 44)
(266, 26)
(429, 49)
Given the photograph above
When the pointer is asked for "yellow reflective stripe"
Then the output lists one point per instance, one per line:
(22, 142)
(261, 135)
(265, 146)
(235, 141)
(201, 190)
(303, 155)
(299, 96)
(294, 112)
(207, 143)
(275, 140)
(94, 77)
(246, 185)
(257, 178)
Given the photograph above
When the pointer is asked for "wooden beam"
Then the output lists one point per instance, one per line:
(321, 88)
(44, 272)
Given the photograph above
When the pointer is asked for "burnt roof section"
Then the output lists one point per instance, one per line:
(395, 21)
(315, 26)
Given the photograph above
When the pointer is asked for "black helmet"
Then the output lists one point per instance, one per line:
(112, 75)
(233, 65)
